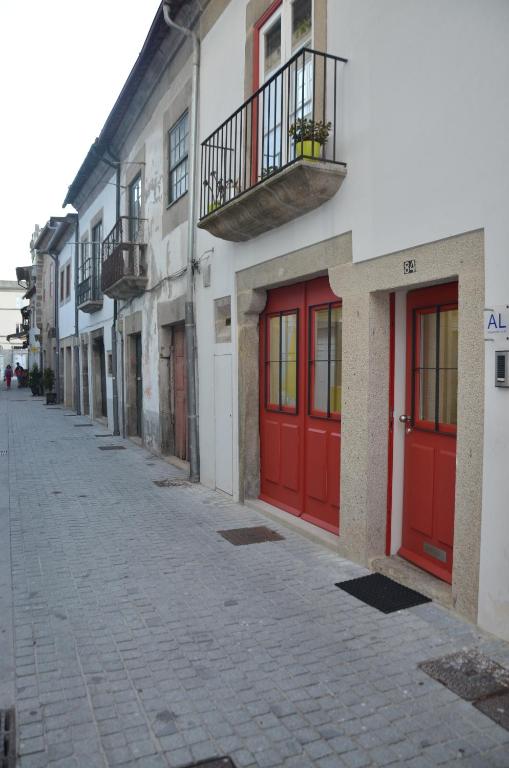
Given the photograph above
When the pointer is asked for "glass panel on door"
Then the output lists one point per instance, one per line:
(325, 361)
(281, 362)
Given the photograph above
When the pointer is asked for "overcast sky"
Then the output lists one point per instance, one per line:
(62, 65)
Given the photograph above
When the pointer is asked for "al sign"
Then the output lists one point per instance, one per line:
(496, 320)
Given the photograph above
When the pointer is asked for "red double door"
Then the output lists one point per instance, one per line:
(300, 401)
(430, 429)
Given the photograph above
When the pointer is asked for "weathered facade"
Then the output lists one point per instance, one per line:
(349, 236)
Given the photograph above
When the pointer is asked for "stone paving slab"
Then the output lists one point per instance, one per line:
(143, 638)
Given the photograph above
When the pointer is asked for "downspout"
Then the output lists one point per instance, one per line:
(77, 396)
(190, 328)
(56, 261)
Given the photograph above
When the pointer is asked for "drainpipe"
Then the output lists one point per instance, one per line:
(77, 397)
(56, 262)
(192, 418)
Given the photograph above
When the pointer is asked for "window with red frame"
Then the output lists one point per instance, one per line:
(325, 343)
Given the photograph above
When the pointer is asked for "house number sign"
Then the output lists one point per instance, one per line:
(409, 267)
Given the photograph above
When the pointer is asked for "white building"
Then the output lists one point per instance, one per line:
(11, 301)
(385, 282)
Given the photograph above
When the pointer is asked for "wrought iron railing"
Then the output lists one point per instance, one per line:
(89, 274)
(294, 115)
(122, 252)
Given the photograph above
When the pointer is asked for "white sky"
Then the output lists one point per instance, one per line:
(62, 66)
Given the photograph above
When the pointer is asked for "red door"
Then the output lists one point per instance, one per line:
(430, 441)
(300, 401)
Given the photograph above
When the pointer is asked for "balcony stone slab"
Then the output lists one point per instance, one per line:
(90, 306)
(126, 287)
(297, 189)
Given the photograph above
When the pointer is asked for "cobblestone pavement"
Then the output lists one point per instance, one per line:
(143, 638)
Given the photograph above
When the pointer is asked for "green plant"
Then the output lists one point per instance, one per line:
(35, 380)
(219, 190)
(269, 170)
(48, 379)
(304, 129)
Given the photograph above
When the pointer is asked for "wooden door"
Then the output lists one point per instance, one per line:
(300, 401)
(430, 422)
(180, 379)
(139, 385)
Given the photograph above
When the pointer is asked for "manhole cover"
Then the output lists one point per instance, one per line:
(111, 448)
(170, 482)
(7, 738)
(469, 674)
(83, 425)
(382, 593)
(496, 707)
(254, 535)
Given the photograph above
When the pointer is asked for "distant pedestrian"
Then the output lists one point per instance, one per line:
(8, 376)
(17, 372)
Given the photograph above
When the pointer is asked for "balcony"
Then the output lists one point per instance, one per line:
(89, 297)
(278, 156)
(124, 272)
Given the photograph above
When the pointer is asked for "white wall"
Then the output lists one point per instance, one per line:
(425, 109)
(105, 201)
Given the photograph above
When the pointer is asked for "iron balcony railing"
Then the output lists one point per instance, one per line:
(122, 251)
(89, 274)
(294, 115)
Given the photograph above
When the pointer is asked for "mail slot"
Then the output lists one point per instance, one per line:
(502, 369)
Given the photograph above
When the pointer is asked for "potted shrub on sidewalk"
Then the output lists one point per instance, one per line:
(35, 380)
(48, 380)
(309, 137)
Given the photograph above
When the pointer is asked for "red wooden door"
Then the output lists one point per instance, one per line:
(300, 401)
(430, 440)
(180, 392)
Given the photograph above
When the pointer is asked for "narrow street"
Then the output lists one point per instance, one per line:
(135, 635)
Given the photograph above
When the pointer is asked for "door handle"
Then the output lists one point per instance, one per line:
(407, 420)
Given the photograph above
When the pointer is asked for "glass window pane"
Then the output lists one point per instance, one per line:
(289, 337)
(335, 386)
(336, 333)
(449, 338)
(427, 379)
(301, 23)
(320, 380)
(448, 398)
(448, 375)
(272, 48)
(274, 351)
(289, 384)
(321, 334)
(428, 341)
(274, 384)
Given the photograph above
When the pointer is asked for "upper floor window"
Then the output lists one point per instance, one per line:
(97, 238)
(286, 31)
(178, 155)
(134, 203)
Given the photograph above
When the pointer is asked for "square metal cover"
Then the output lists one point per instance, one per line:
(7, 738)
(469, 674)
(496, 708)
(111, 448)
(170, 482)
(213, 762)
(255, 535)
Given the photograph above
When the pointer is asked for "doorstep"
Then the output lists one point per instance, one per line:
(310, 531)
(410, 576)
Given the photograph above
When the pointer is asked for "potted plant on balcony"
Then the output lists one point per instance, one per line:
(48, 380)
(220, 190)
(35, 380)
(309, 136)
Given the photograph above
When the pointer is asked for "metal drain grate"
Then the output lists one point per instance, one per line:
(107, 435)
(111, 448)
(170, 482)
(83, 425)
(3, 453)
(469, 674)
(213, 762)
(7, 738)
(255, 535)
